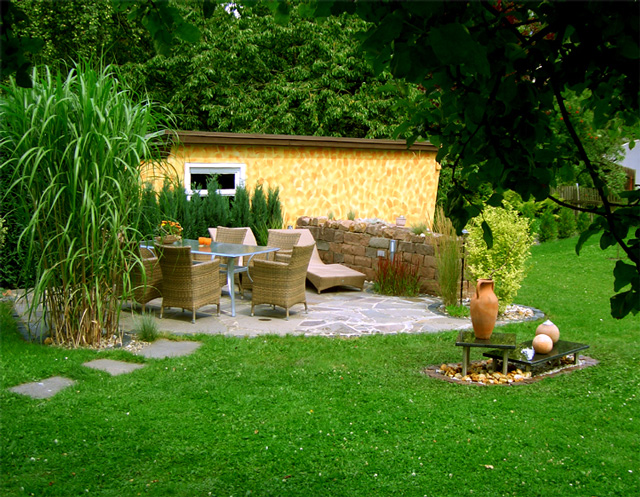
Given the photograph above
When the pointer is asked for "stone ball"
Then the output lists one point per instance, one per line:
(550, 329)
(542, 344)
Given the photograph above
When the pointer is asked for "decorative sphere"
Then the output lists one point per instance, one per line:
(542, 344)
(550, 329)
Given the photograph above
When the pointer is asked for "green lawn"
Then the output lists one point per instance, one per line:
(298, 416)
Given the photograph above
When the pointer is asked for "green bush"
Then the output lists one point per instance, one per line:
(241, 208)
(548, 229)
(396, 278)
(259, 215)
(583, 222)
(274, 209)
(566, 223)
(3, 232)
(505, 261)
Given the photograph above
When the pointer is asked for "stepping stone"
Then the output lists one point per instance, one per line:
(168, 348)
(43, 389)
(114, 368)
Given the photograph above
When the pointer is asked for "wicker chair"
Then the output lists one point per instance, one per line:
(144, 287)
(186, 284)
(225, 235)
(281, 283)
(284, 241)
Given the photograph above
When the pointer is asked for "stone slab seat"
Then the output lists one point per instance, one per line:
(324, 276)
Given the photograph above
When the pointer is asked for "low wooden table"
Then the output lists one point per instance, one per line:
(560, 349)
(506, 342)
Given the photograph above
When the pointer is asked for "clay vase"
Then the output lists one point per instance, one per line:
(484, 309)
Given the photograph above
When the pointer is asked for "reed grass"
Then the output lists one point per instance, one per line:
(74, 146)
(448, 258)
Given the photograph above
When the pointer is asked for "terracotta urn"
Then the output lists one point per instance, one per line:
(542, 344)
(484, 309)
(550, 329)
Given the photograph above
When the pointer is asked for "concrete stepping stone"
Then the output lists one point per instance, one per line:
(43, 389)
(114, 368)
(168, 348)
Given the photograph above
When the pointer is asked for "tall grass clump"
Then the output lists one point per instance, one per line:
(448, 258)
(394, 277)
(73, 146)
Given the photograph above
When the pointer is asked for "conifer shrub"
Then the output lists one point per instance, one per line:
(583, 222)
(241, 208)
(548, 229)
(259, 215)
(506, 261)
(566, 223)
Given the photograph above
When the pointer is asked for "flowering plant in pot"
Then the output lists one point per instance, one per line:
(169, 232)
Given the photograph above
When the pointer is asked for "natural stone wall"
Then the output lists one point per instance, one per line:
(358, 245)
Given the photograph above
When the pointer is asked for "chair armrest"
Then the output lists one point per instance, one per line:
(205, 267)
(268, 264)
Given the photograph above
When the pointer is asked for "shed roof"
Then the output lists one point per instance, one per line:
(217, 138)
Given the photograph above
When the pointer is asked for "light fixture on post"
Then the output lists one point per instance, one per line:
(392, 249)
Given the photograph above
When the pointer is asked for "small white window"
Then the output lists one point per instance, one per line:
(230, 176)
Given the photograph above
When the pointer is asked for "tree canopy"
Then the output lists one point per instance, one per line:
(495, 80)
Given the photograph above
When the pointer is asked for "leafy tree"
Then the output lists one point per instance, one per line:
(496, 77)
(249, 74)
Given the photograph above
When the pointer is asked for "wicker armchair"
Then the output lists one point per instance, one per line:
(282, 283)
(186, 284)
(144, 286)
(284, 241)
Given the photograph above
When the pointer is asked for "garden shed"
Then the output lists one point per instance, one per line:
(317, 176)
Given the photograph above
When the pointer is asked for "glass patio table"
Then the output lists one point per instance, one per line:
(232, 251)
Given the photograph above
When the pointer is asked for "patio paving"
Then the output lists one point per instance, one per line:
(334, 313)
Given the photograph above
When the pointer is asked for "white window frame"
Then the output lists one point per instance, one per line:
(237, 168)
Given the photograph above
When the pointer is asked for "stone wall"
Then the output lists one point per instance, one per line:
(358, 245)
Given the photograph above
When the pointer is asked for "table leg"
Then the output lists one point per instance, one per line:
(231, 267)
(465, 359)
(505, 362)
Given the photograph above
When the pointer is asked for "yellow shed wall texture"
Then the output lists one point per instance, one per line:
(314, 181)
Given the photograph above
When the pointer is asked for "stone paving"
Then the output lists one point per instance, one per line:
(338, 313)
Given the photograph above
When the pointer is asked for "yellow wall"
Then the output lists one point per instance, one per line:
(315, 181)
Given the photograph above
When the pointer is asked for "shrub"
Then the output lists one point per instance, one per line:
(448, 258)
(217, 210)
(241, 208)
(274, 209)
(566, 223)
(3, 232)
(583, 222)
(547, 230)
(396, 278)
(505, 261)
(420, 228)
(259, 215)
(351, 215)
